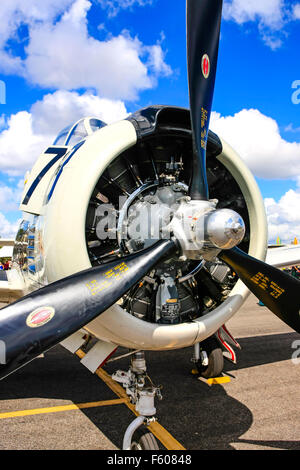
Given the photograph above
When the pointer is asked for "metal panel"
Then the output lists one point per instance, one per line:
(97, 355)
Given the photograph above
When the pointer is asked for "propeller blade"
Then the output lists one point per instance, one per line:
(279, 291)
(203, 31)
(44, 318)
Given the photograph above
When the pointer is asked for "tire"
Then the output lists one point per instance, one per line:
(143, 440)
(215, 359)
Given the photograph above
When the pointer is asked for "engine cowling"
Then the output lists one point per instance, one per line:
(134, 159)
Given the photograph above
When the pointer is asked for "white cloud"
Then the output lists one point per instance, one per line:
(10, 195)
(271, 16)
(19, 146)
(296, 11)
(10, 64)
(8, 229)
(60, 53)
(257, 139)
(267, 12)
(284, 216)
(27, 134)
(114, 6)
(290, 128)
(18, 12)
(156, 60)
(61, 108)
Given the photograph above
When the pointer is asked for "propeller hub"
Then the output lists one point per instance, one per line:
(225, 228)
(203, 231)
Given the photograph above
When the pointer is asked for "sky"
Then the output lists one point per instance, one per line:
(61, 60)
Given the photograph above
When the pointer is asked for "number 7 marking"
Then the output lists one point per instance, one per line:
(59, 153)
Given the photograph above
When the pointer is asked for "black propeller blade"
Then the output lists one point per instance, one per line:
(47, 316)
(279, 291)
(203, 31)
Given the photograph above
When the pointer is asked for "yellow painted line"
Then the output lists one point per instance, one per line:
(216, 380)
(57, 409)
(157, 430)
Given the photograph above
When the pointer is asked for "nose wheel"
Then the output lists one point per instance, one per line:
(211, 361)
(143, 440)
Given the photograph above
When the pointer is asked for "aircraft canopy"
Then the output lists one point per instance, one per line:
(74, 133)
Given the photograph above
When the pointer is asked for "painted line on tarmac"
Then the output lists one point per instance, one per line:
(58, 409)
(168, 441)
(215, 380)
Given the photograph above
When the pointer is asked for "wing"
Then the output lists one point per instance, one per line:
(7, 242)
(282, 256)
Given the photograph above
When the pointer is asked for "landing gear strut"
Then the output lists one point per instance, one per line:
(142, 392)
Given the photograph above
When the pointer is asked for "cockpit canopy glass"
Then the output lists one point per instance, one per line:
(62, 136)
(73, 134)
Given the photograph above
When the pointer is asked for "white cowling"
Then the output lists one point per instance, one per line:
(65, 244)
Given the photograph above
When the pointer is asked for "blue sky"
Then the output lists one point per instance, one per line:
(63, 59)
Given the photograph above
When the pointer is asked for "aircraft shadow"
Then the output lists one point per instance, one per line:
(259, 350)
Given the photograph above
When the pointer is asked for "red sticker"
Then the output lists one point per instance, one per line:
(205, 65)
(40, 317)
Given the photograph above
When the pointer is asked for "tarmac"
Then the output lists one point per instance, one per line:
(256, 409)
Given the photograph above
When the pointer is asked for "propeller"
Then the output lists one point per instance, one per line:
(203, 32)
(279, 291)
(44, 318)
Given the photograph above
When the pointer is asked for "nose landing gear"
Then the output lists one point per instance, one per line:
(209, 356)
(142, 392)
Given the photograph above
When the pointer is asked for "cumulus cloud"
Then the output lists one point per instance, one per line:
(291, 128)
(270, 15)
(10, 195)
(284, 216)
(156, 60)
(8, 229)
(61, 108)
(296, 11)
(19, 146)
(257, 139)
(27, 134)
(114, 6)
(18, 12)
(268, 12)
(60, 52)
